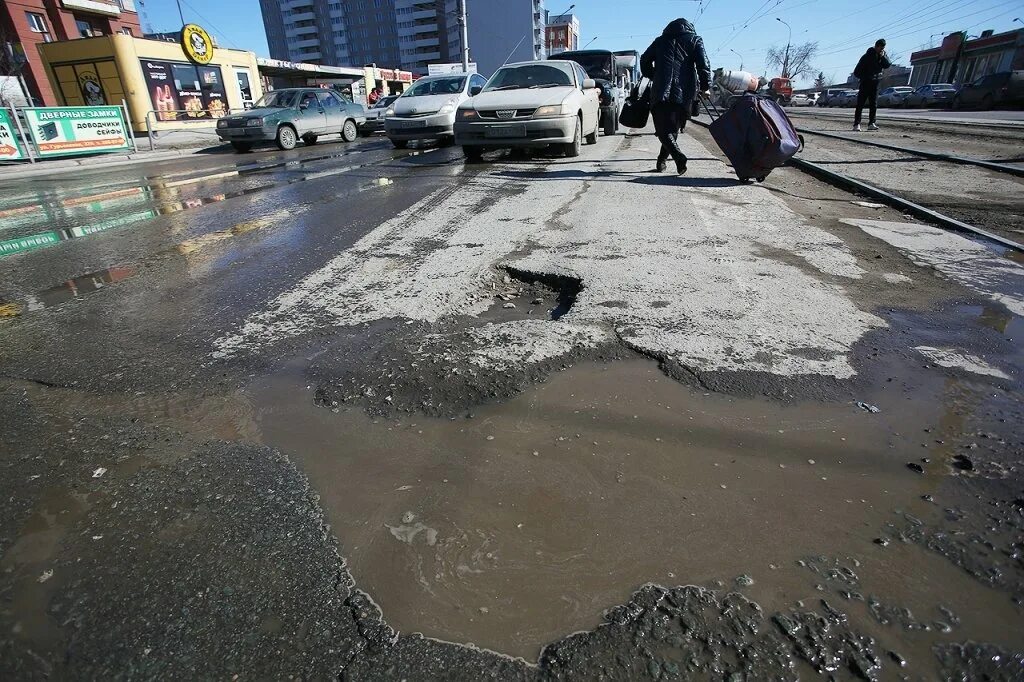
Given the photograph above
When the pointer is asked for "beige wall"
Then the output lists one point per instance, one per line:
(117, 61)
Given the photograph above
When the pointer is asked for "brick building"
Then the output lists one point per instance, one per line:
(562, 33)
(24, 24)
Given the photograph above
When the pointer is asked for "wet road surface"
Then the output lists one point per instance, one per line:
(270, 414)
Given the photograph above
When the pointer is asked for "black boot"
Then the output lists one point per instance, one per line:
(681, 167)
(661, 165)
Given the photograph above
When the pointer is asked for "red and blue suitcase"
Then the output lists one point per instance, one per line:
(756, 136)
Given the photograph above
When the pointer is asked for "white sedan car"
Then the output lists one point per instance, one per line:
(531, 104)
(427, 110)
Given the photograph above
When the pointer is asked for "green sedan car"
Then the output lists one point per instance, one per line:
(292, 114)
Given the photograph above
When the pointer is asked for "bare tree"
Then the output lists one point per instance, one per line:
(793, 61)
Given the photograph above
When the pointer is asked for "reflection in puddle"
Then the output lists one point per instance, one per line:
(78, 287)
(522, 524)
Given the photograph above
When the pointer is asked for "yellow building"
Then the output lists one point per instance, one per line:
(158, 80)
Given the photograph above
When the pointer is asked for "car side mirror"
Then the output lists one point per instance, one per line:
(589, 84)
(475, 90)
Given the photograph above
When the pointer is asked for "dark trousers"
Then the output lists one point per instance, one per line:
(668, 120)
(868, 94)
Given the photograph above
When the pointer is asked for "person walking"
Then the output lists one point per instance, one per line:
(676, 64)
(869, 72)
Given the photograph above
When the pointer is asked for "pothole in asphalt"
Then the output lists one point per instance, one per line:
(563, 288)
(523, 295)
(523, 523)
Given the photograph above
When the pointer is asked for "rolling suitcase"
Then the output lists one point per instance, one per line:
(756, 136)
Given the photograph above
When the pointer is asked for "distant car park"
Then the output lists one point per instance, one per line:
(1004, 89)
(931, 95)
(893, 97)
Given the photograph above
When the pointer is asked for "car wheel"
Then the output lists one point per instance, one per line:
(400, 144)
(609, 124)
(572, 149)
(286, 138)
(987, 102)
(310, 140)
(473, 154)
(242, 147)
(349, 132)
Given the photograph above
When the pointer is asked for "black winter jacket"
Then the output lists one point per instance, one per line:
(676, 63)
(870, 67)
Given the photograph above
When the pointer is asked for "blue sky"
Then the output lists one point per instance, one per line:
(748, 27)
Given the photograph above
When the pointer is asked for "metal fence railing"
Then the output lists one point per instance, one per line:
(191, 121)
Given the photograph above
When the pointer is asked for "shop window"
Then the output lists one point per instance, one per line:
(183, 92)
(37, 24)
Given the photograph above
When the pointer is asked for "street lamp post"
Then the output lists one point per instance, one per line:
(789, 41)
(738, 55)
(588, 44)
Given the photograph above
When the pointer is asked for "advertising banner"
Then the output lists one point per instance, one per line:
(10, 148)
(162, 91)
(66, 131)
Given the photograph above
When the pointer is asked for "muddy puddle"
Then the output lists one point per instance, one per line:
(522, 523)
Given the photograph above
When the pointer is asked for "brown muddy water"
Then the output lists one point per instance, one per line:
(522, 524)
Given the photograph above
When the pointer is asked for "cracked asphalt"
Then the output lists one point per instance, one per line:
(357, 413)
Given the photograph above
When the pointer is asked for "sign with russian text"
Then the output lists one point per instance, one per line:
(65, 131)
(10, 148)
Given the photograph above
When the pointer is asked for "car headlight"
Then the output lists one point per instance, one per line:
(222, 123)
(468, 114)
(449, 106)
(389, 113)
(254, 123)
(552, 110)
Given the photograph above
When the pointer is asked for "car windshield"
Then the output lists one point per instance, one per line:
(384, 102)
(277, 98)
(942, 87)
(596, 65)
(437, 86)
(529, 76)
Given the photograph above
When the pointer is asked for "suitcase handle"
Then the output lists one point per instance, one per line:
(707, 102)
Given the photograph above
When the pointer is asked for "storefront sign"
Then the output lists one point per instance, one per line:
(197, 44)
(64, 131)
(92, 91)
(10, 148)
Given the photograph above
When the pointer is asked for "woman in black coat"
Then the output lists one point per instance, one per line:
(676, 64)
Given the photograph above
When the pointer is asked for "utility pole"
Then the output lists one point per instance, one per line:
(180, 13)
(789, 41)
(465, 36)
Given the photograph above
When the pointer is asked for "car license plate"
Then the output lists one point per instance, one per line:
(506, 131)
(411, 124)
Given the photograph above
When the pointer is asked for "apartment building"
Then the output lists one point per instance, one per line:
(26, 24)
(405, 34)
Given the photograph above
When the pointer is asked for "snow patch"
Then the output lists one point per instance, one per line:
(949, 357)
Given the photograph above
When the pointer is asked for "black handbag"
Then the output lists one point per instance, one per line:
(637, 108)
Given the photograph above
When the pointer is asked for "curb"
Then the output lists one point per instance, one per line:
(64, 166)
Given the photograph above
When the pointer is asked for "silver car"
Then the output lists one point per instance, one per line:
(531, 104)
(426, 111)
(893, 97)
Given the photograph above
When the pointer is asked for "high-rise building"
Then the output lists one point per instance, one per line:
(563, 33)
(26, 23)
(407, 34)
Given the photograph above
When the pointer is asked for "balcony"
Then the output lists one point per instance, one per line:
(300, 31)
(108, 9)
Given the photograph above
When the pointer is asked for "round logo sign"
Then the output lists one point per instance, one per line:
(197, 44)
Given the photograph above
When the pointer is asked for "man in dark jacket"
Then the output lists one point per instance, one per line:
(869, 72)
(676, 64)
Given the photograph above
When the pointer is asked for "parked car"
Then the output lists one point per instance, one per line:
(531, 104)
(825, 100)
(426, 111)
(800, 100)
(847, 98)
(893, 97)
(375, 115)
(934, 94)
(995, 90)
(288, 115)
(600, 65)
